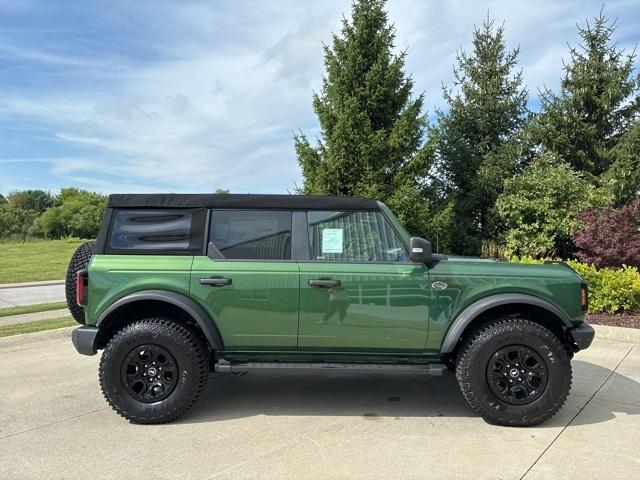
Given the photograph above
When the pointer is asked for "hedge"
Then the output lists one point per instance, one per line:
(610, 290)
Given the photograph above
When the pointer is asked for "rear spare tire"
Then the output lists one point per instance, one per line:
(79, 261)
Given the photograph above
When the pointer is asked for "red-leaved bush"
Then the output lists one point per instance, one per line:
(611, 236)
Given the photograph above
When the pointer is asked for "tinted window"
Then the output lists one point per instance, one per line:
(252, 234)
(151, 230)
(353, 236)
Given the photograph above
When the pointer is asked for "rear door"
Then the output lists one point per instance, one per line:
(358, 290)
(248, 281)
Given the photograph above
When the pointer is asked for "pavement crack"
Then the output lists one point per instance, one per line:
(579, 412)
(52, 423)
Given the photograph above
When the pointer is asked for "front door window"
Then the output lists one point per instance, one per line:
(361, 236)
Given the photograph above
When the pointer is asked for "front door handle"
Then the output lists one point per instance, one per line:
(324, 283)
(215, 281)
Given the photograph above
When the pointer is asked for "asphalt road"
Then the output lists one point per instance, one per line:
(55, 424)
(31, 295)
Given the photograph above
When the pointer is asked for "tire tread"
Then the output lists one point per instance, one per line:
(79, 260)
(195, 349)
(502, 326)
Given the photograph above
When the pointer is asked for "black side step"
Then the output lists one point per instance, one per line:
(434, 369)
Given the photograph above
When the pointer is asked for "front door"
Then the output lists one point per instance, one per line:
(248, 281)
(359, 292)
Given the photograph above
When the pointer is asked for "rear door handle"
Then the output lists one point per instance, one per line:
(215, 281)
(324, 283)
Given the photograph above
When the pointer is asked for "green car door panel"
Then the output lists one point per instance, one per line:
(116, 276)
(257, 309)
(371, 306)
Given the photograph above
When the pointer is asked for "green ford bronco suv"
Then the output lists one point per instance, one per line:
(177, 286)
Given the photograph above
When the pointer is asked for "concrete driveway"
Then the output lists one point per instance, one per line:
(55, 424)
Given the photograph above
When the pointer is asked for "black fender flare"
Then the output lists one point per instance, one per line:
(192, 308)
(472, 311)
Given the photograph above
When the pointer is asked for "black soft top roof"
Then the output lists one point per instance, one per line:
(230, 200)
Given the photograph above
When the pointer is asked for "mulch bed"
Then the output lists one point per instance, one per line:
(627, 321)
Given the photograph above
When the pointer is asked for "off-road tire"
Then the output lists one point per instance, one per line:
(79, 260)
(474, 357)
(184, 345)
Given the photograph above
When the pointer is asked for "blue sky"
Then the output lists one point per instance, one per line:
(138, 96)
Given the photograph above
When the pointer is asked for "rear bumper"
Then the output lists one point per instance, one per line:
(84, 339)
(582, 336)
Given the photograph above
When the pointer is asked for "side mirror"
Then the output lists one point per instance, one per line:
(420, 250)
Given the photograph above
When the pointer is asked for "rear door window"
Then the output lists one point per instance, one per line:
(250, 234)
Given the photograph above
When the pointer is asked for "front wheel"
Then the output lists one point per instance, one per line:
(514, 372)
(153, 370)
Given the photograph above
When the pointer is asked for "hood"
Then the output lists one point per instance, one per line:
(492, 266)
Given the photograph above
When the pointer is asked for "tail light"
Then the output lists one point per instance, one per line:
(81, 287)
(584, 297)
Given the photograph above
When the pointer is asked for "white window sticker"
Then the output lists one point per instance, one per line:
(332, 240)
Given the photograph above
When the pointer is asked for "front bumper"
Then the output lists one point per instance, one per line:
(84, 339)
(582, 336)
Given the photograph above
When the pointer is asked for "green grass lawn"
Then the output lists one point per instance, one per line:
(35, 260)
(41, 307)
(40, 325)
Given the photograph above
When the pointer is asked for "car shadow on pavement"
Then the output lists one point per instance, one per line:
(230, 396)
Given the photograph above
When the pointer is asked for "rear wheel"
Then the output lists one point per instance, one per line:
(514, 372)
(79, 261)
(153, 370)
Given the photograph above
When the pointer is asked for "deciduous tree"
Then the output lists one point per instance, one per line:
(539, 207)
(610, 236)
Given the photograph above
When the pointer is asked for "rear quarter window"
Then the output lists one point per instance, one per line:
(156, 231)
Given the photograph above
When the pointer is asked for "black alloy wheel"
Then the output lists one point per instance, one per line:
(149, 373)
(517, 374)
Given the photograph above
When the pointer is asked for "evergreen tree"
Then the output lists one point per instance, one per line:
(372, 129)
(623, 177)
(479, 142)
(598, 101)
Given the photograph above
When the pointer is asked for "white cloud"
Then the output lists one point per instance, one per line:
(217, 102)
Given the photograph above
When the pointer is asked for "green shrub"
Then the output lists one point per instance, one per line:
(538, 207)
(610, 290)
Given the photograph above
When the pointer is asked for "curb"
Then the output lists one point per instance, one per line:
(26, 341)
(40, 283)
(620, 334)
(33, 316)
